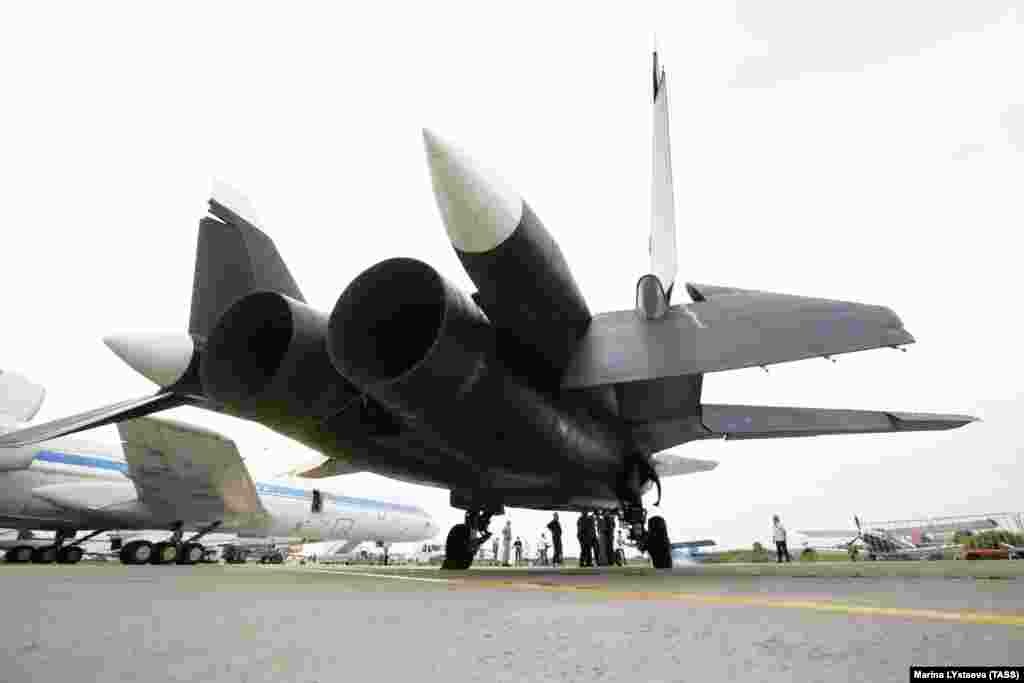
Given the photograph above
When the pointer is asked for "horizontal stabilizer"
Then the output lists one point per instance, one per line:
(728, 330)
(98, 417)
(184, 472)
(761, 422)
(670, 465)
(768, 422)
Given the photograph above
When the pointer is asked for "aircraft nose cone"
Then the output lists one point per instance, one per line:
(478, 209)
(162, 358)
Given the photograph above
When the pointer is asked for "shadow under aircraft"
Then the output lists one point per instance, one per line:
(515, 395)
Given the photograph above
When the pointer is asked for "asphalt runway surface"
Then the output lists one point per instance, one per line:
(321, 623)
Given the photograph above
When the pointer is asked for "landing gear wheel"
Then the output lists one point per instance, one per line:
(235, 555)
(136, 552)
(457, 551)
(190, 553)
(164, 552)
(44, 555)
(20, 554)
(658, 545)
(69, 555)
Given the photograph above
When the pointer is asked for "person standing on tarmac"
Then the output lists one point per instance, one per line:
(494, 546)
(589, 539)
(607, 531)
(519, 550)
(506, 535)
(779, 534)
(581, 538)
(556, 540)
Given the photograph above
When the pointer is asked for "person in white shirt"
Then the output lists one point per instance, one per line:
(779, 534)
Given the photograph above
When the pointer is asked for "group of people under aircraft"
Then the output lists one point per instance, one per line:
(600, 543)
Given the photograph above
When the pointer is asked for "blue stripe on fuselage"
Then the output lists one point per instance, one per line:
(263, 489)
(82, 461)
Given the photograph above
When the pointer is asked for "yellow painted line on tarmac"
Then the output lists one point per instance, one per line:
(953, 616)
(963, 617)
(345, 572)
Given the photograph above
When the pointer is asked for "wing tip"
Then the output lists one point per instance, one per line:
(930, 421)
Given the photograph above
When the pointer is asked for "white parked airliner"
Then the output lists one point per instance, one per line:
(166, 475)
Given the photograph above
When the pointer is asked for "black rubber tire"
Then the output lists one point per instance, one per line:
(19, 554)
(457, 554)
(70, 555)
(136, 552)
(163, 553)
(189, 553)
(658, 545)
(45, 555)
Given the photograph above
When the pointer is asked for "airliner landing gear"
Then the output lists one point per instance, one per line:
(71, 554)
(58, 552)
(19, 554)
(136, 552)
(464, 540)
(654, 540)
(235, 555)
(191, 552)
(45, 555)
(166, 552)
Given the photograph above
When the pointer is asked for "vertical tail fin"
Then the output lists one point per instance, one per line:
(654, 291)
(663, 207)
(233, 258)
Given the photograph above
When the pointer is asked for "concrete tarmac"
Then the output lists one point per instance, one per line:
(272, 623)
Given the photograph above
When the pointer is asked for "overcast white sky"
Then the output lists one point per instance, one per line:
(870, 152)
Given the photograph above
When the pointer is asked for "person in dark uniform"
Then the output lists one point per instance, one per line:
(518, 545)
(606, 529)
(556, 539)
(587, 557)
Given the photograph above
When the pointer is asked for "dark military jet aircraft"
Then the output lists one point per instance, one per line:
(515, 395)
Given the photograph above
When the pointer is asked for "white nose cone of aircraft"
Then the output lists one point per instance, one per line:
(479, 210)
(161, 358)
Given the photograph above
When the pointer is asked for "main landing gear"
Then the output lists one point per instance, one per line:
(60, 552)
(464, 540)
(654, 540)
(173, 550)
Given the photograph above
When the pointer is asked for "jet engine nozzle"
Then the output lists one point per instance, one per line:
(267, 353)
(423, 349)
(399, 321)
